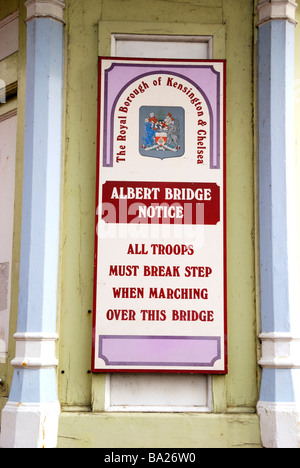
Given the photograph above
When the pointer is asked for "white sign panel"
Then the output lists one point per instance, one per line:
(160, 258)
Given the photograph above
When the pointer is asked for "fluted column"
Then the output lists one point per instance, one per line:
(30, 418)
(279, 400)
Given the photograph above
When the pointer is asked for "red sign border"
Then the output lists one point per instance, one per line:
(161, 371)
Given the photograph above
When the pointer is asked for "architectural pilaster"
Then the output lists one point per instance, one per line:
(279, 402)
(30, 418)
(269, 10)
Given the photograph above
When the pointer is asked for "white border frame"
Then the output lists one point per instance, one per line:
(158, 409)
(162, 38)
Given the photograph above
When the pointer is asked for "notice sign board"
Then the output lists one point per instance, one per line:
(160, 258)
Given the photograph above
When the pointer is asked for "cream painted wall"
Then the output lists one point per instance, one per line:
(8, 130)
(297, 90)
(297, 122)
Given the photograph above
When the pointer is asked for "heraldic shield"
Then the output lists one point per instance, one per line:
(161, 132)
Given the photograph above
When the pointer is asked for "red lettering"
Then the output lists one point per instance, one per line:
(192, 315)
(160, 249)
(120, 314)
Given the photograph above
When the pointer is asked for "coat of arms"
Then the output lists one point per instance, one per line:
(161, 132)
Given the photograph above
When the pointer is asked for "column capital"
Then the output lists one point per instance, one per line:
(35, 350)
(53, 9)
(270, 10)
(280, 351)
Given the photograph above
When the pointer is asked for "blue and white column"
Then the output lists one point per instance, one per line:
(30, 418)
(279, 401)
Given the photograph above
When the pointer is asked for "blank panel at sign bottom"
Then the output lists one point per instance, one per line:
(154, 391)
